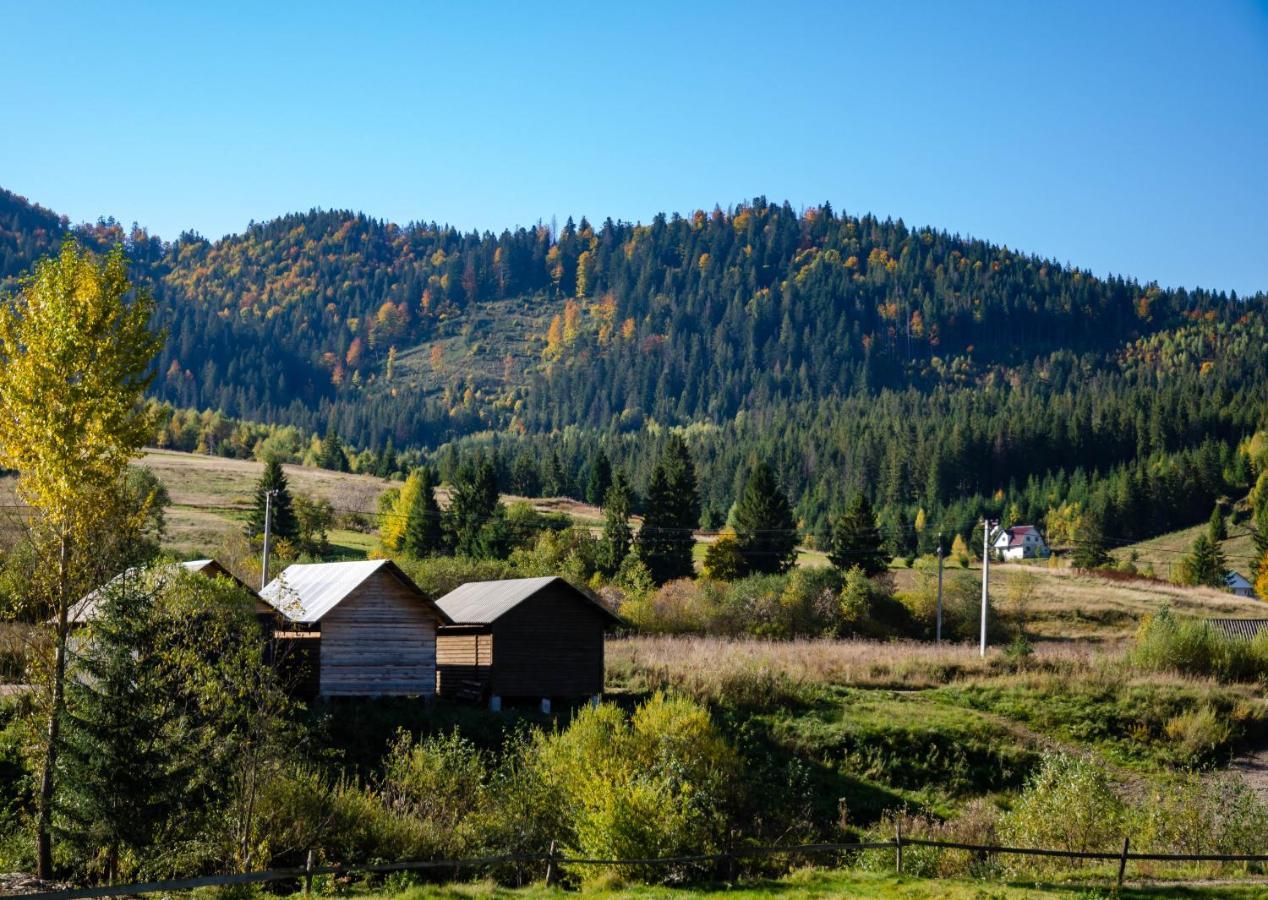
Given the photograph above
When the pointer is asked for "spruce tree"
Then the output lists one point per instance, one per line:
(618, 536)
(856, 540)
(331, 454)
(1205, 564)
(765, 530)
(123, 774)
(672, 514)
(474, 509)
(283, 522)
(1259, 535)
(1089, 543)
(1217, 527)
(600, 479)
(423, 534)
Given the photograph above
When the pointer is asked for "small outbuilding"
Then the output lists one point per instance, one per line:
(85, 609)
(374, 629)
(1238, 584)
(521, 638)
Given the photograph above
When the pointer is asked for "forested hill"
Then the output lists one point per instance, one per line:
(917, 364)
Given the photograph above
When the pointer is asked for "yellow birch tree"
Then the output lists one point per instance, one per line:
(75, 354)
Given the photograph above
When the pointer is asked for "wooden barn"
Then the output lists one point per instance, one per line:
(523, 638)
(374, 630)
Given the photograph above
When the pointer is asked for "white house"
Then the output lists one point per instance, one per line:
(1019, 542)
(1238, 584)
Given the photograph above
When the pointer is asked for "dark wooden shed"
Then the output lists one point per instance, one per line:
(521, 638)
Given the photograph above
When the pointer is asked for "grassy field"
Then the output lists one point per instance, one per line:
(813, 883)
(1164, 552)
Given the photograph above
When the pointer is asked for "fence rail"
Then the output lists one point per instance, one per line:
(552, 860)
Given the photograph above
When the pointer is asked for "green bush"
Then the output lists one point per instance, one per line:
(1192, 647)
(438, 575)
(1069, 803)
(657, 783)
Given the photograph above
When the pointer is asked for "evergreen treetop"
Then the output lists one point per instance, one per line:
(672, 514)
(283, 523)
(765, 529)
(856, 540)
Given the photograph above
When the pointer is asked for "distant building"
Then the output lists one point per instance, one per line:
(1238, 584)
(524, 638)
(369, 629)
(1019, 542)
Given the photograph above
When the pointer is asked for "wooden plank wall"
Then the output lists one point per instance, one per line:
(551, 645)
(463, 662)
(381, 640)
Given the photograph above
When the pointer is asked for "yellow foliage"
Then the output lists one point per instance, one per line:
(73, 361)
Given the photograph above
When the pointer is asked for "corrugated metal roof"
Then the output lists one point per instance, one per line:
(85, 610)
(1239, 628)
(483, 602)
(306, 592)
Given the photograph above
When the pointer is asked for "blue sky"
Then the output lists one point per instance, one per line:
(1125, 137)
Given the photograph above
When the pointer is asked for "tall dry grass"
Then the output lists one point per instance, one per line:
(711, 667)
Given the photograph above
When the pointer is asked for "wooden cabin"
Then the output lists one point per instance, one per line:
(522, 638)
(374, 630)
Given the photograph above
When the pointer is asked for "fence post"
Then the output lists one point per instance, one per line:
(308, 873)
(898, 845)
(550, 865)
(1122, 861)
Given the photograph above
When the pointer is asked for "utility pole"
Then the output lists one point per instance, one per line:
(938, 635)
(268, 528)
(986, 568)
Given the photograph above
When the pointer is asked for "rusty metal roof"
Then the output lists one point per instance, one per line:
(1239, 628)
(483, 602)
(305, 592)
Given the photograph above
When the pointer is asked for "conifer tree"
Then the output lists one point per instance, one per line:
(331, 454)
(1259, 535)
(856, 540)
(423, 534)
(122, 763)
(672, 514)
(1205, 564)
(600, 479)
(765, 530)
(1217, 527)
(474, 509)
(1089, 543)
(283, 523)
(618, 536)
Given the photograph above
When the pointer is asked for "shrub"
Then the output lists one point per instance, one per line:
(657, 783)
(1069, 803)
(1191, 647)
(1202, 815)
(1198, 732)
(438, 575)
(977, 823)
(723, 560)
(439, 779)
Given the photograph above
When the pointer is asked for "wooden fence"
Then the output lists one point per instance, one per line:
(552, 861)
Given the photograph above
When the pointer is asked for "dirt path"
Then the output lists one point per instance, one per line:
(1252, 765)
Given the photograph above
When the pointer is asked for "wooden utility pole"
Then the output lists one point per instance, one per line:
(986, 569)
(938, 633)
(268, 528)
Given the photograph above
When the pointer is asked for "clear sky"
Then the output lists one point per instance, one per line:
(1125, 137)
